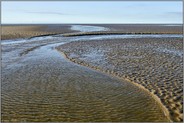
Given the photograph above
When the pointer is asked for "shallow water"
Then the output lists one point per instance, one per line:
(153, 63)
(173, 25)
(97, 37)
(83, 28)
(42, 85)
(102, 37)
(4, 42)
(171, 51)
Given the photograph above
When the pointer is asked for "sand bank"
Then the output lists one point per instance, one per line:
(154, 63)
(27, 31)
(42, 86)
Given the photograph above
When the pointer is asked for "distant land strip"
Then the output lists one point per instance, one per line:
(114, 33)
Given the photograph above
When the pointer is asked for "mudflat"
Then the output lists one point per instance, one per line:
(155, 63)
(104, 77)
(27, 31)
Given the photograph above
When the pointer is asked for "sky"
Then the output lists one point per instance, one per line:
(111, 12)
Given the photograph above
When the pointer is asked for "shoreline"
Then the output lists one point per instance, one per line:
(155, 97)
(104, 56)
(114, 33)
(11, 32)
(106, 97)
(27, 31)
(88, 34)
(164, 107)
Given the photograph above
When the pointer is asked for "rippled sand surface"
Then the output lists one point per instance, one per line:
(27, 31)
(40, 84)
(155, 63)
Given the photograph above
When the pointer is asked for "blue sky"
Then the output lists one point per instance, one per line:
(22, 12)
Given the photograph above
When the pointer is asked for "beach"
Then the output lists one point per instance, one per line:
(154, 63)
(119, 75)
(27, 31)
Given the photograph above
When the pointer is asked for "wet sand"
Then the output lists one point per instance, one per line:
(144, 28)
(156, 64)
(40, 84)
(27, 31)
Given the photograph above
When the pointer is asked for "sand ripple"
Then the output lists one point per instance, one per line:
(153, 63)
(43, 86)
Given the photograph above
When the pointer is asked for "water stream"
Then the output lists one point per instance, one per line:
(42, 85)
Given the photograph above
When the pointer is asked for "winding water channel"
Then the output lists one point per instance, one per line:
(40, 84)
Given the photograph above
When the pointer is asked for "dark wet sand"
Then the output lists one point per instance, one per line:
(147, 28)
(154, 63)
(27, 31)
(42, 85)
